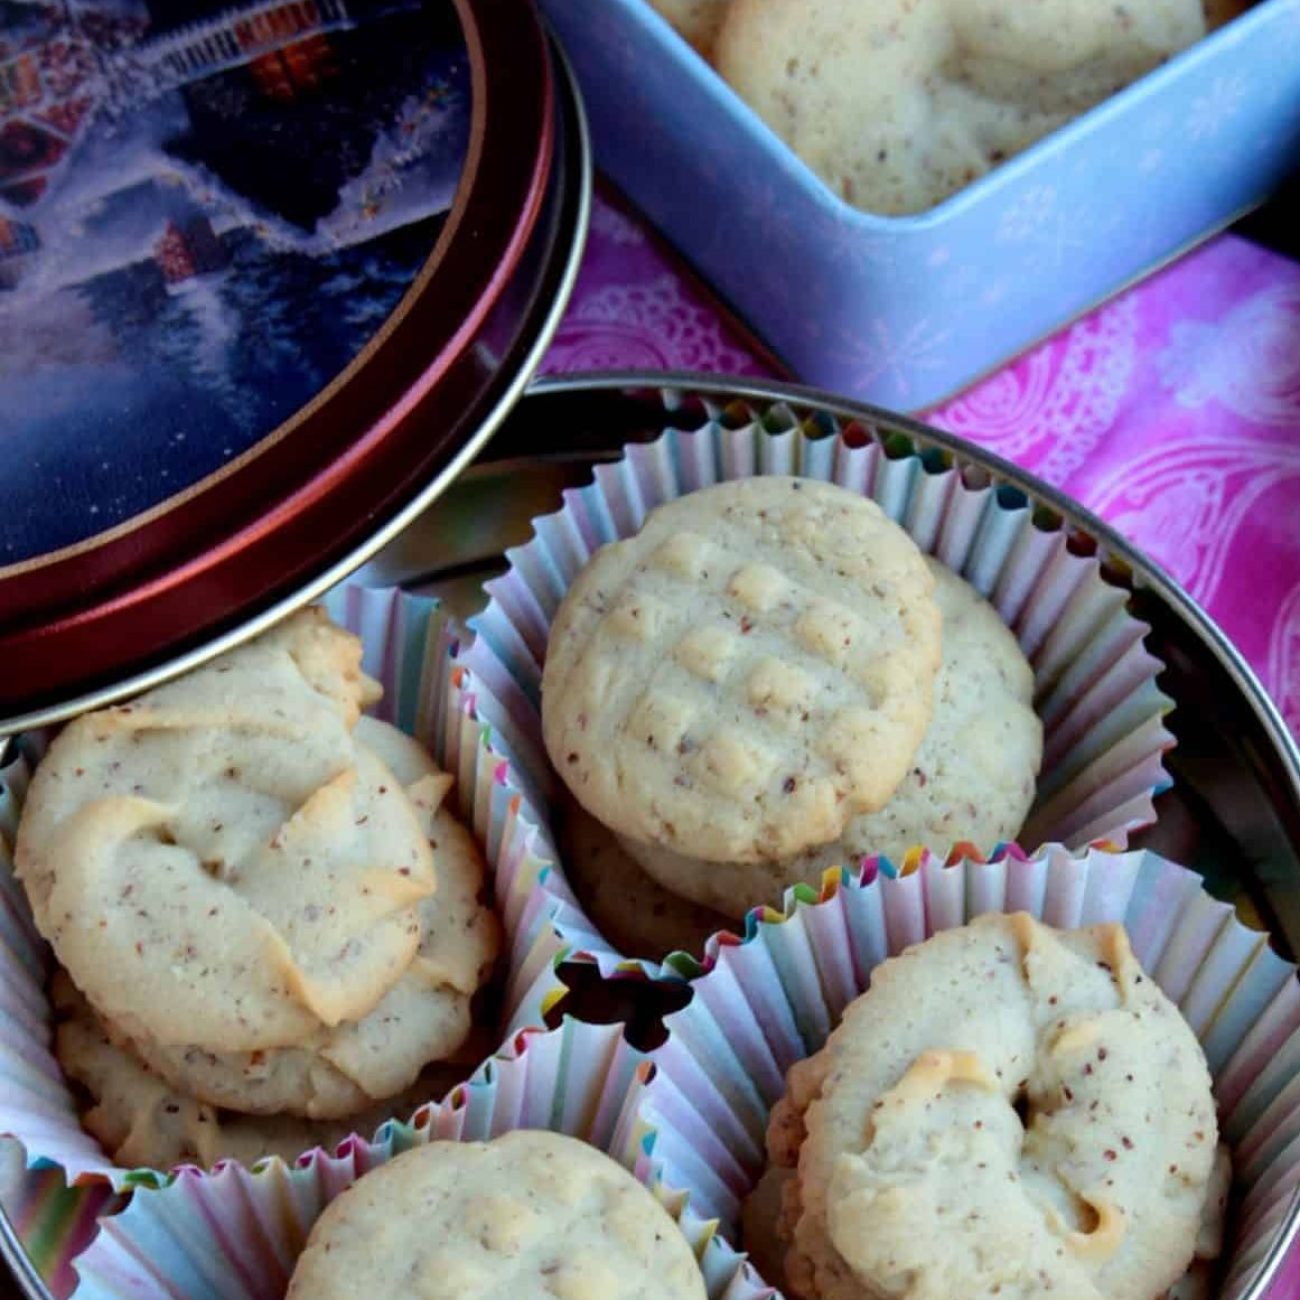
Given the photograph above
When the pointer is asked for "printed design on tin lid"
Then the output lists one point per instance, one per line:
(207, 209)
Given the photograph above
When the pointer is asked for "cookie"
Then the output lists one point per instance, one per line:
(697, 21)
(745, 674)
(629, 907)
(144, 1124)
(219, 863)
(529, 1214)
(898, 104)
(424, 1017)
(971, 780)
(909, 1114)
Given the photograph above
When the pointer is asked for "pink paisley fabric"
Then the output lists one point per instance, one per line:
(1173, 412)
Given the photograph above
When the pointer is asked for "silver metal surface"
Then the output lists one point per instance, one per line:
(22, 1272)
(577, 215)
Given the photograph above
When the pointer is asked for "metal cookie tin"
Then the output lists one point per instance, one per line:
(903, 311)
(269, 275)
(1233, 813)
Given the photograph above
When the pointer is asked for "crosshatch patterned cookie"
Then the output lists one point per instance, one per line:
(745, 674)
(908, 1115)
(530, 1213)
(972, 779)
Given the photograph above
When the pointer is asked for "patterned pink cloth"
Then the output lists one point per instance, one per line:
(1173, 411)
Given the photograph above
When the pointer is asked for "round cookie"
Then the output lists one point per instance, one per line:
(972, 779)
(424, 1017)
(144, 1124)
(628, 906)
(908, 1115)
(751, 669)
(697, 21)
(897, 104)
(219, 863)
(529, 1214)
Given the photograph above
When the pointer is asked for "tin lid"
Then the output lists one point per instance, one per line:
(260, 268)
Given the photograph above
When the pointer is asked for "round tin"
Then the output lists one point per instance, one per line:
(1233, 813)
(141, 537)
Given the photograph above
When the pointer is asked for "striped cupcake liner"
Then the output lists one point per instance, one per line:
(771, 998)
(1096, 684)
(690, 1117)
(236, 1234)
(411, 648)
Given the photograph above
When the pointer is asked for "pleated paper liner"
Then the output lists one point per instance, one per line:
(236, 1234)
(1096, 684)
(691, 1116)
(410, 648)
(763, 1002)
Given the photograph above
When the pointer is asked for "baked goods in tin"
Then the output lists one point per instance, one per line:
(972, 779)
(749, 671)
(423, 1016)
(531, 1213)
(897, 104)
(909, 1115)
(143, 1123)
(224, 839)
(262, 913)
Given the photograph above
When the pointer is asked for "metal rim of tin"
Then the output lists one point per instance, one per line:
(546, 270)
(325, 489)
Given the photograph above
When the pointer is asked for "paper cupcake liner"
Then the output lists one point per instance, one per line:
(236, 1234)
(1096, 690)
(409, 647)
(763, 1002)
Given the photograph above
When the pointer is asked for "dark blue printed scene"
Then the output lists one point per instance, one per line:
(206, 211)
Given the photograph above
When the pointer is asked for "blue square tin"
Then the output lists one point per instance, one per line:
(903, 311)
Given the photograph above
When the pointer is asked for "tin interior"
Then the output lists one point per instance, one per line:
(1234, 811)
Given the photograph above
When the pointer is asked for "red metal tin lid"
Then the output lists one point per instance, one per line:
(262, 266)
